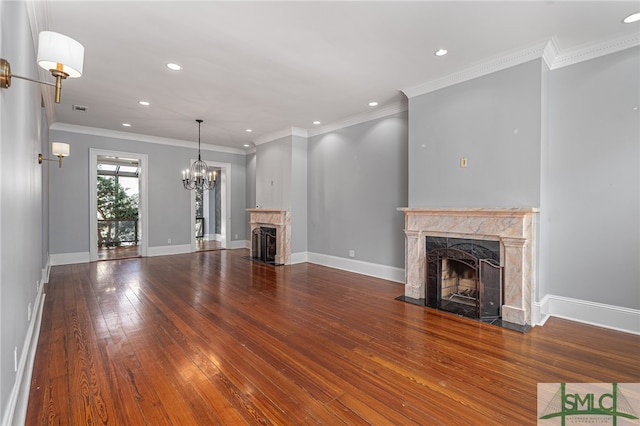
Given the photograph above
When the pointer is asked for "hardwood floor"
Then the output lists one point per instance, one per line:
(211, 338)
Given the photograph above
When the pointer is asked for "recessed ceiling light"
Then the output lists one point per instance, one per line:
(634, 17)
(174, 67)
(316, 122)
(374, 103)
(441, 52)
(246, 145)
(126, 124)
(248, 130)
(144, 103)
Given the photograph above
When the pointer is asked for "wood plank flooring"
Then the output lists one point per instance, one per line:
(211, 338)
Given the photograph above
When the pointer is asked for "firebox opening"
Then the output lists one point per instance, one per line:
(464, 277)
(263, 244)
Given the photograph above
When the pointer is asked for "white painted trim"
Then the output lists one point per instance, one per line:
(478, 70)
(225, 201)
(592, 51)
(70, 258)
(95, 131)
(239, 244)
(549, 51)
(46, 271)
(374, 114)
(359, 267)
(540, 313)
(16, 409)
(598, 314)
(301, 257)
(168, 250)
(143, 204)
(289, 131)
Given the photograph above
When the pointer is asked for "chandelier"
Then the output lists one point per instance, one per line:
(198, 175)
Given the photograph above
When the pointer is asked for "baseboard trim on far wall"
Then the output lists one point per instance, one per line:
(168, 250)
(239, 244)
(70, 258)
(365, 268)
(598, 314)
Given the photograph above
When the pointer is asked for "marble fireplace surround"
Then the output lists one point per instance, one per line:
(279, 219)
(514, 228)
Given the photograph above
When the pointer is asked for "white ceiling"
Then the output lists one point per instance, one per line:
(270, 66)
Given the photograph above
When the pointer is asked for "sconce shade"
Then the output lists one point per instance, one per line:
(59, 52)
(60, 149)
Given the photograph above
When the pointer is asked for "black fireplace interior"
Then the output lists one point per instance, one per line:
(464, 277)
(263, 244)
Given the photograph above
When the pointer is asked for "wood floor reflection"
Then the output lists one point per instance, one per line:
(210, 338)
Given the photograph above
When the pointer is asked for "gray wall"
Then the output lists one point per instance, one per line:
(250, 200)
(169, 202)
(493, 121)
(566, 141)
(299, 243)
(357, 180)
(273, 174)
(593, 234)
(21, 180)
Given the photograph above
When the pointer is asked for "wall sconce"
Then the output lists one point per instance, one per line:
(57, 53)
(59, 149)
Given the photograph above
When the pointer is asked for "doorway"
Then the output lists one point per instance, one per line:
(211, 212)
(118, 191)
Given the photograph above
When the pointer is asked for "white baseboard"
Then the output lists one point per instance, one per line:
(168, 250)
(70, 258)
(301, 257)
(45, 272)
(16, 409)
(239, 244)
(365, 268)
(598, 314)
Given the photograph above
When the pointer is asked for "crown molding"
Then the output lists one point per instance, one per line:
(95, 131)
(481, 69)
(289, 131)
(592, 51)
(374, 114)
(549, 51)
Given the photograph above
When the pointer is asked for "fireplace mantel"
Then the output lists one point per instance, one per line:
(279, 219)
(514, 228)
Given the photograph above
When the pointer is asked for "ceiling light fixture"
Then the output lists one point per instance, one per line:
(248, 130)
(58, 149)
(441, 52)
(126, 124)
(372, 104)
(62, 56)
(634, 17)
(198, 175)
(246, 145)
(174, 67)
(316, 122)
(144, 103)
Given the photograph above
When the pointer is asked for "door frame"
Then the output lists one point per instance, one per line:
(225, 209)
(143, 206)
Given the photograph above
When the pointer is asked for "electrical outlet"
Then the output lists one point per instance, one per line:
(169, 241)
(352, 253)
(463, 162)
(29, 312)
(235, 237)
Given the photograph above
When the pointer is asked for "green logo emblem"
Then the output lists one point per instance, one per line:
(587, 402)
